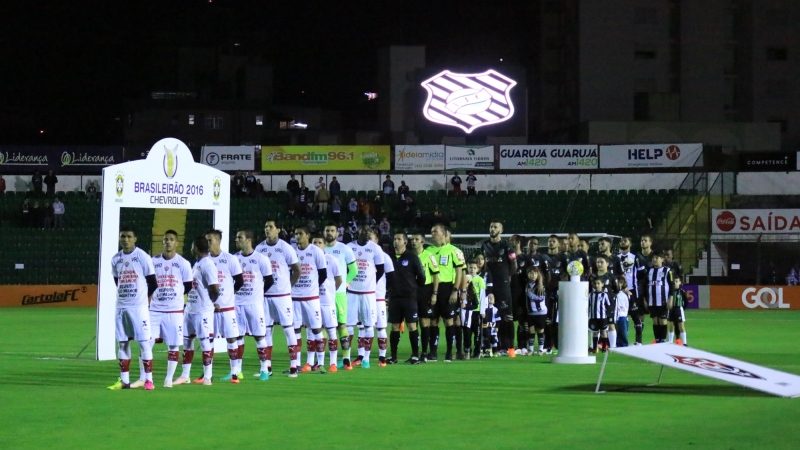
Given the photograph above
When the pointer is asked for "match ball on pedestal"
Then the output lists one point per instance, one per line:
(575, 268)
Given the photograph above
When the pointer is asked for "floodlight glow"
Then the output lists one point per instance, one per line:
(468, 100)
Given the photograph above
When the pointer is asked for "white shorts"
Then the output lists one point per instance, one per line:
(352, 309)
(380, 314)
(365, 309)
(200, 325)
(133, 323)
(225, 323)
(251, 320)
(280, 310)
(309, 313)
(167, 326)
(329, 319)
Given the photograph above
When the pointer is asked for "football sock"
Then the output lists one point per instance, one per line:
(368, 336)
(382, 341)
(457, 331)
(394, 340)
(311, 346)
(612, 338)
(670, 336)
(595, 338)
(172, 361)
(426, 339)
(319, 347)
(638, 328)
(433, 336)
(413, 337)
(541, 338)
(233, 351)
(683, 337)
(333, 346)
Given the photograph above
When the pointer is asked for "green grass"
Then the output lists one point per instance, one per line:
(51, 399)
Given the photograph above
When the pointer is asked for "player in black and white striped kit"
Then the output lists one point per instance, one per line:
(659, 286)
(599, 312)
(632, 267)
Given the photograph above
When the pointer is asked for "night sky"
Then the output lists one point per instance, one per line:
(69, 66)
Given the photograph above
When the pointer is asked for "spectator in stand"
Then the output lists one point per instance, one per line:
(50, 181)
(471, 179)
(403, 191)
(385, 229)
(36, 183)
(303, 199)
(238, 184)
(25, 213)
(352, 207)
(336, 209)
(335, 188)
(793, 278)
(91, 190)
(250, 184)
(2, 185)
(363, 208)
(58, 213)
(322, 198)
(388, 186)
(320, 183)
(455, 181)
(37, 218)
(293, 187)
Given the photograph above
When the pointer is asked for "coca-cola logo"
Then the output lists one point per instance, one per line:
(726, 221)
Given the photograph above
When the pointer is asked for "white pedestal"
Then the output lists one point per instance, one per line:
(573, 323)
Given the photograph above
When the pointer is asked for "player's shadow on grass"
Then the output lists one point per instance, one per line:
(670, 389)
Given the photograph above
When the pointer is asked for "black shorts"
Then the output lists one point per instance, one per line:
(676, 314)
(443, 307)
(424, 308)
(538, 322)
(401, 309)
(598, 324)
(658, 312)
(637, 306)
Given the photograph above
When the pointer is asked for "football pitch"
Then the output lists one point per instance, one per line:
(49, 398)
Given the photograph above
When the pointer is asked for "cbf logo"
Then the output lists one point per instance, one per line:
(468, 101)
(119, 184)
(217, 188)
(170, 162)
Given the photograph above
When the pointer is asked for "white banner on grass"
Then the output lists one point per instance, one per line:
(635, 156)
(239, 157)
(418, 157)
(716, 366)
(479, 158)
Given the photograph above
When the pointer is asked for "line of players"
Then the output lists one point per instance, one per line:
(245, 294)
(622, 285)
(320, 284)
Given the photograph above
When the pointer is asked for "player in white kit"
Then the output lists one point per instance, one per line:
(380, 302)
(199, 316)
(327, 305)
(229, 272)
(174, 276)
(135, 278)
(278, 298)
(305, 295)
(361, 292)
(347, 267)
(257, 276)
